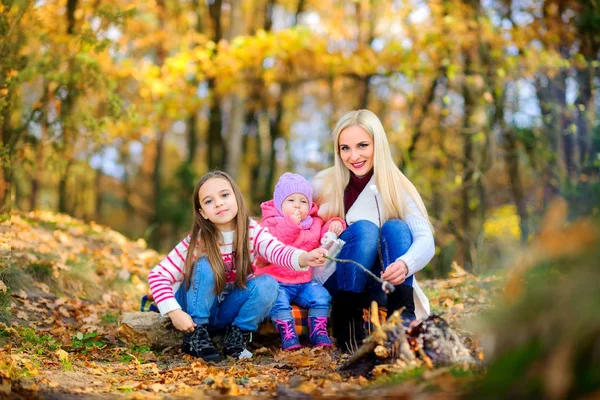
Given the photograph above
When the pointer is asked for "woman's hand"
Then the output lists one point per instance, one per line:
(395, 273)
(182, 321)
(314, 258)
(336, 227)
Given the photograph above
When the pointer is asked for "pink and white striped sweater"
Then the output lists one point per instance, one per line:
(166, 277)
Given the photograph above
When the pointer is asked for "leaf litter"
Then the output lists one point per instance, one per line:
(68, 282)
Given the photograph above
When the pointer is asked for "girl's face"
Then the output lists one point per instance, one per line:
(295, 204)
(356, 150)
(218, 204)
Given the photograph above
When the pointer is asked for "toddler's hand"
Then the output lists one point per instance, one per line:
(182, 321)
(336, 227)
(327, 239)
(296, 217)
(314, 258)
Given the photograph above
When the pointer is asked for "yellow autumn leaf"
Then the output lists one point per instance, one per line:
(63, 356)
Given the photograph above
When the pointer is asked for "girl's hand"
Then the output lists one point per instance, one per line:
(314, 258)
(336, 227)
(395, 273)
(182, 321)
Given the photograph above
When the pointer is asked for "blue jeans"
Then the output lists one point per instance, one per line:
(244, 308)
(361, 246)
(310, 295)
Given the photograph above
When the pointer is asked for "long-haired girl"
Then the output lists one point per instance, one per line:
(215, 264)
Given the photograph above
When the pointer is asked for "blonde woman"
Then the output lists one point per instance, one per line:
(368, 191)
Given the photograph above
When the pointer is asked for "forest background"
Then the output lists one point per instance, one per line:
(111, 110)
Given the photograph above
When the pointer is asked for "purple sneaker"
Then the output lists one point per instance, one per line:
(289, 338)
(317, 328)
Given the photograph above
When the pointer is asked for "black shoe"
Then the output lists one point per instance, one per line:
(198, 344)
(347, 320)
(235, 341)
(402, 296)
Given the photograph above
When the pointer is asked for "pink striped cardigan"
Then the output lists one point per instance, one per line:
(166, 277)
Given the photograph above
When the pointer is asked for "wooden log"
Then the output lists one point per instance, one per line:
(148, 329)
(434, 341)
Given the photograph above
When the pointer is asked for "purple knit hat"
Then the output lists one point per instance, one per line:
(289, 184)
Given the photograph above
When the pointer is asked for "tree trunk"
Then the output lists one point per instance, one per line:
(38, 173)
(235, 135)
(192, 139)
(157, 218)
(472, 191)
(9, 135)
(275, 133)
(216, 151)
(71, 8)
(511, 158)
(99, 198)
(583, 107)
(364, 94)
(235, 131)
(126, 203)
(552, 124)
(265, 148)
(155, 237)
(192, 123)
(418, 126)
(63, 193)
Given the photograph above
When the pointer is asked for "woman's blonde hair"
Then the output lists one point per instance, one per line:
(207, 236)
(393, 186)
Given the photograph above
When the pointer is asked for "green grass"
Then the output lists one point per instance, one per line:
(82, 278)
(53, 225)
(109, 318)
(399, 377)
(134, 351)
(40, 344)
(12, 276)
(5, 315)
(41, 271)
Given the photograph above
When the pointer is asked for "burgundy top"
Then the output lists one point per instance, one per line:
(354, 188)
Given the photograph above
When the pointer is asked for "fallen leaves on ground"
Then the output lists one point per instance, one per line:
(68, 283)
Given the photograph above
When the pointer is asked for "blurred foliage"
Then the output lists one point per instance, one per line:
(503, 222)
(110, 111)
(544, 341)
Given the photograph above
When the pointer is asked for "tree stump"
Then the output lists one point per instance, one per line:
(148, 329)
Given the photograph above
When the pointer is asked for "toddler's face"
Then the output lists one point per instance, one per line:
(295, 204)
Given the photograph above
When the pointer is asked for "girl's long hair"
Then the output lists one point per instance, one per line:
(206, 235)
(393, 186)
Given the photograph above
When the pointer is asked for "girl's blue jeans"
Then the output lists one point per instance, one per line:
(361, 246)
(311, 295)
(244, 308)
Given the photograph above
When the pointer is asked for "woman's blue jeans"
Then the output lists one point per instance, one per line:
(361, 246)
(244, 308)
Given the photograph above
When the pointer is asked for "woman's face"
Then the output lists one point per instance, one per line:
(356, 150)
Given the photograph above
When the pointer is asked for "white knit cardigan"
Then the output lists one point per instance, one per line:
(420, 252)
